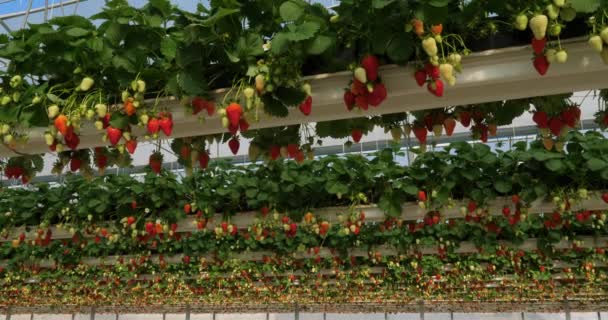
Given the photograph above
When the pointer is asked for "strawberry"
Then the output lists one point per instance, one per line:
(233, 112)
(492, 129)
(449, 124)
(61, 123)
(420, 133)
(421, 195)
(605, 197)
(472, 206)
(437, 29)
(436, 88)
(129, 107)
(362, 102)
(292, 150)
(114, 135)
(186, 259)
(306, 106)
(153, 126)
(541, 64)
(378, 95)
(299, 156)
(596, 43)
(244, 125)
(541, 119)
(75, 164)
(155, 162)
(356, 134)
(198, 104)
(539, 45)
(515, 199)
(71, 139)
(420, 76)
(130, 220)
(506, 211)
(166, 125)
(370, 63)
(430, 46)
(131, 145)
(203, 159)
(349, 100)
(432, 71)
(234, 145)
(187, 208)
(418, 27)
(360, 75)
(538, 25)
(555, 124)
(185, 151)
(275, 152)
(465, 118)
(358, 88)
(568, 117)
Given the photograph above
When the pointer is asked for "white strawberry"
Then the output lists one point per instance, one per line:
(552, 12)
(551, 55)
(99, 125)
(452, 81)
(596, 43)
(604, 35)
(559, 3)
(455, 58)
(307, 89)
(360, 75)
(90, 114)
(538, 25)
(430, 46)
(101, 110)
(86, 84)
(447, 71)
(561, 56)
(53, 111)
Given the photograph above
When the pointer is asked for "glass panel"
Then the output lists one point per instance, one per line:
(53, 317)
(436, 316)
(176, 316)
(583, 316)
(240, 316)
(133, 316)
(544, 316)
(403, 316)
(104, 316)
(313, 316)
(21, 316)
(355, 316)
(487, 316)
(282, 316)
(200, 316)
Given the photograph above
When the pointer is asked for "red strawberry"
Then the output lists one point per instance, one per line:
(114, 135)
(356, 134)
(75, 164)
(130, 220)
(243, 125)
(421, 195)
(203, 159)
(155, 162)
(106, 120)
(186, 259)
(362, 102)
(150, 228)
(292, 150)
(378, 95)
(436, 88)
(349, 100)
(541, 64)
(465, 118)
(306, 106)
(568, 117)
(184, 152)
(370, 63)
(541, 119)
(429, 121)
(420, 133)
(234, 145)
(131, 145)
(166, 125)
(153, 126)
(539, 45)
(506, 211)
(432, 71)
(420, 77)
(515, 199)
(210, 108)
(555, 124)
(472, 206)
(275, 152)
(577, 112)
(449, 124)
(71, 139)
(358, 88)
(299, 156)
(198, 104)
(605, 197)
(233, 112)
(187, 208)
(61, 123)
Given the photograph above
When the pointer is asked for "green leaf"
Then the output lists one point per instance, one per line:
(585, 6)
(124, 63)
(96, 44)
(290, 96)
(304, 31)
(77, 32)
(319, 44)
(164, 6)
(218, 15)
(379, 4)
(400, 48)
(554, 164)
(438, 3)
(234, 58)
(280, 42)
(274, 107)
(192, 82)
(291, 11)
(168, 48)
(595, 164)
(503, 185)
(119, 120)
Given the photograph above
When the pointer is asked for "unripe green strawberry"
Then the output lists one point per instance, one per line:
(334, 19)
(360, 75)
(561, 56)
(49, 139)
(559, 3)
(455, 58)
(521, 22)
(8, 139)
(36, 100)
(452, 81)
(16, 96)
(307, 89)
(78, 70)
(430, 46)
(53, 111)
(396, 134)
(438, 38)
(556, 30)
(16, 81)
(446, 70)
(86, 84)
(90, 114)
(604, 35)
(5, 128)
(141, 86)
(550, 54)
(248, 92)
(567, 14)
(125, 95)
(5, 100)
(552, 12)
(225, 122)
(596, 43)
(538, 25)
(59, 147)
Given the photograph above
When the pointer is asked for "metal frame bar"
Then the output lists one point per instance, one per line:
(36, 10)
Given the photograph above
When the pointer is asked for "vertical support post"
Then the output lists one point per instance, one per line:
(421, 310)
(117, 316)
(164, 316)
(8, 313)
(297, 312)
(599, 316)
(567, 307)
(92, 313)
(188, 313)
(451, 315)
(31, 316)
